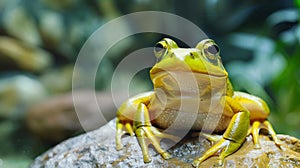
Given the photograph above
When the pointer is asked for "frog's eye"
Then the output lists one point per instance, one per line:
(162, 47)
(212, 52)
(213, 49)
(159, 50)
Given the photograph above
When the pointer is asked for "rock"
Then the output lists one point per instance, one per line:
(97, 149)
(19, 23)
(52, 28)
(58, 80)
(15, 54)
(17, 93)
(56, 118)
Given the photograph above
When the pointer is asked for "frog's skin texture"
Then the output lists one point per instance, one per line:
(192, 82)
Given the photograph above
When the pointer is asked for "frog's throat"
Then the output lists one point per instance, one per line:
(160, 73)
(191, 84)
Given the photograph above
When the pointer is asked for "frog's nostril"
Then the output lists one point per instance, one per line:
(192, 55)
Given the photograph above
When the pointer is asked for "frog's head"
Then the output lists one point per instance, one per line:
(203, 59)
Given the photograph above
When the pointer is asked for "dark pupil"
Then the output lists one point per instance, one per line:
(158, 47)
(214, 49)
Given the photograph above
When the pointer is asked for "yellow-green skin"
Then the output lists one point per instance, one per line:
(193, 83)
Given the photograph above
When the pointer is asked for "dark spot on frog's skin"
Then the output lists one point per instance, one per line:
(192, 55)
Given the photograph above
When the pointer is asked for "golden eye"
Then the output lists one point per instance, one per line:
(159, 48)
(212, 53)
(213, 49)
(162, 47)
(159, 51)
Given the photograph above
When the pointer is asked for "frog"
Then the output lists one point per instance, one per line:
(192, 90)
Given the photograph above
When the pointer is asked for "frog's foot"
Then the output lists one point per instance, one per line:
(232, 139)
(257, 126)
(146, 134)
(226, 146)
(122, 129)
(211, 138)
(150, 135)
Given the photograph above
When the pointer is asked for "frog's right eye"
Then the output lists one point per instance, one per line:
(159, 50)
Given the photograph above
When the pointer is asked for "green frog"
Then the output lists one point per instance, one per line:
(192, 91)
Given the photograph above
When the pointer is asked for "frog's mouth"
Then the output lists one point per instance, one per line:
(190, 85)
(187, 82)
(160, 73)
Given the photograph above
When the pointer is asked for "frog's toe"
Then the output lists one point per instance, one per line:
(161, 135)
(211, 138)
(119, 134)
(257, 146)
(166, 155)
(227, 147)
(144, 133)
(272, 133)
(122, 128)
(196, 163)
(129, 129)
(255, 129)
(119, 146)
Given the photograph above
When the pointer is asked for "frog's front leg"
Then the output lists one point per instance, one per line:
(233, 137)
(142, 129)
(119, 131)
(145, 131)
(259, 112)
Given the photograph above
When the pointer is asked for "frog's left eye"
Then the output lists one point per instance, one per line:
(213, 49)
(212, 52)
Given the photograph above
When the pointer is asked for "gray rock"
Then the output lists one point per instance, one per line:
(97, 149)
(17, 93)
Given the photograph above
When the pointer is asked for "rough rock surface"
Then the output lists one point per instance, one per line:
(55, 119)
(97, 149)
